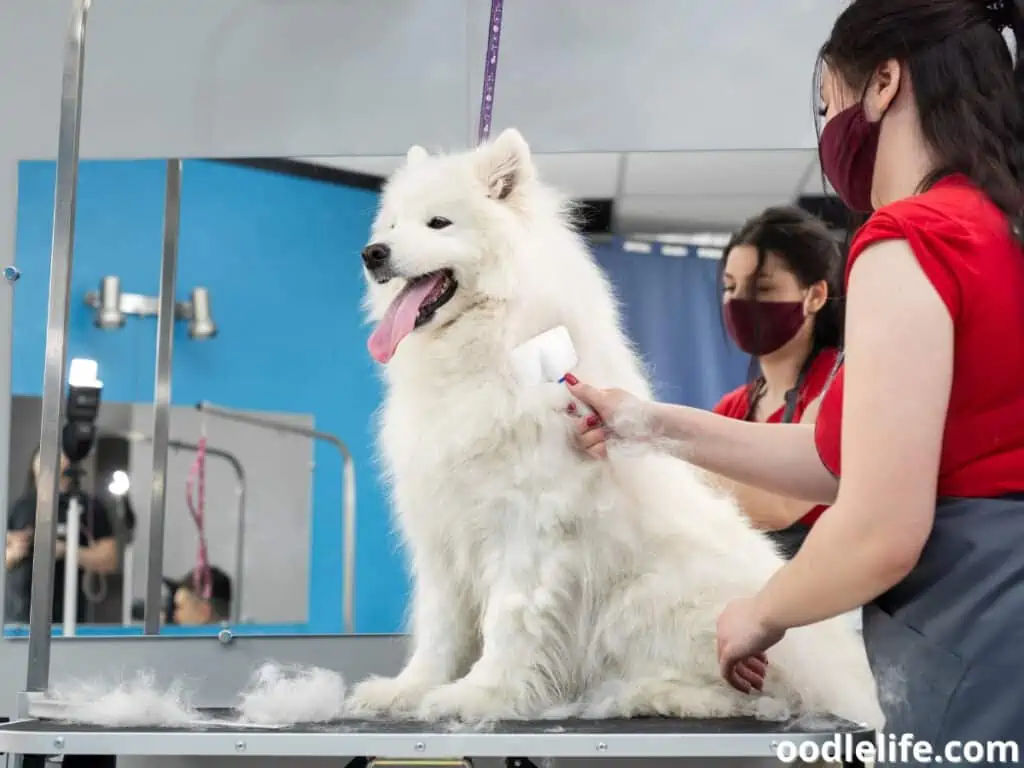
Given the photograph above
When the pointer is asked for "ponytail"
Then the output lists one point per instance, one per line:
(1016, 26)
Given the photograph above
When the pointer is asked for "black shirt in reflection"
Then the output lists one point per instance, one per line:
(94, 524)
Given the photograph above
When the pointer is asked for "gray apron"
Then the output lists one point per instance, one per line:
(789, 540)
(946, 644)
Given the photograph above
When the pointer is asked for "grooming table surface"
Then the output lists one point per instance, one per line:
(638, 738)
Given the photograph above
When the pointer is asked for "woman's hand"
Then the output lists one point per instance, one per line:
(743, 637)
(606, 403)
(591, 434)
(607, 406)
(19, 544)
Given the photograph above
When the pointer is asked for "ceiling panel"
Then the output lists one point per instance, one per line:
(750, 173)
(664, 213)
(375, 166)
(582, 175)
(576, 175)
(665, 191)
(816, 183)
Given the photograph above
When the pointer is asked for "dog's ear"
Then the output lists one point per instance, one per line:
(505, 164)
(416, 154)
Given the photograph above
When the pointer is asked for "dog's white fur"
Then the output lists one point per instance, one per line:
(542, 577)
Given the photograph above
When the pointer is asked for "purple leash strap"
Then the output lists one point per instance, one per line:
(490, 71)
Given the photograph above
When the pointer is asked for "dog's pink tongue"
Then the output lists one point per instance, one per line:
(400, 318)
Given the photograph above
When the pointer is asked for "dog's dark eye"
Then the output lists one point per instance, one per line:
(438, 223)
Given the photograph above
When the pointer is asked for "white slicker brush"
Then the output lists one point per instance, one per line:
(544, 359)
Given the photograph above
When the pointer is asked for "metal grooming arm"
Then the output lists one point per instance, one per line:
(55, 371)
(348, 500)
(162, 395)
(241, 493)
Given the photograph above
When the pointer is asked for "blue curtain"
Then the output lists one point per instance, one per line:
(671, 299)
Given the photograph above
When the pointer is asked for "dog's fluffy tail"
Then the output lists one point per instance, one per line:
(827, 664)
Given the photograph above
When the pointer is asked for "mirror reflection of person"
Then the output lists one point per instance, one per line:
(97, 546)
(189, 608)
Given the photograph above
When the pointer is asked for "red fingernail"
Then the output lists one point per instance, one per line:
(571, 408)
(593, 420)
(570, 379)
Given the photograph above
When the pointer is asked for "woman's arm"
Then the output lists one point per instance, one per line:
(777, 458)
(769, 511)
(18, 545)
(898, 375)
(100, 556)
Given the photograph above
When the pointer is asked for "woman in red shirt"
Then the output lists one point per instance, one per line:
(780, 305)
(919, 443)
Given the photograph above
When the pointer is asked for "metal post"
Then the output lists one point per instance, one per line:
(162, 396)
(127, 581)
(72, 532)
(348, 498)
(61, 257)
(239, 586)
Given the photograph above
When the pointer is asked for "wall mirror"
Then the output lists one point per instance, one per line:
(269, 339)
(269, 336)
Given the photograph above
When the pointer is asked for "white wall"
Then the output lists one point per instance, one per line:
(349, 77)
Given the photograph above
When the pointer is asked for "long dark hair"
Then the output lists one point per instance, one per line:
(968, 91)
(804, 244)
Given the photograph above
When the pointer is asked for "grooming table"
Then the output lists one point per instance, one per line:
(642, 740)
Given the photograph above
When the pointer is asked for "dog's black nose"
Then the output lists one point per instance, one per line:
(376, 255)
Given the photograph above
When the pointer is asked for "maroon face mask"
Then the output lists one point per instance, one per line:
(847, 150)
(761, 327)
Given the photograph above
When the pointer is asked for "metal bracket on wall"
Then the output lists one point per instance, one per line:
(112, 307)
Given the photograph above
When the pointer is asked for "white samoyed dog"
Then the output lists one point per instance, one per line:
(545, 580)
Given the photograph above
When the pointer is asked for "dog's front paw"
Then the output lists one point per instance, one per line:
(394, 696)
(468, 702)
